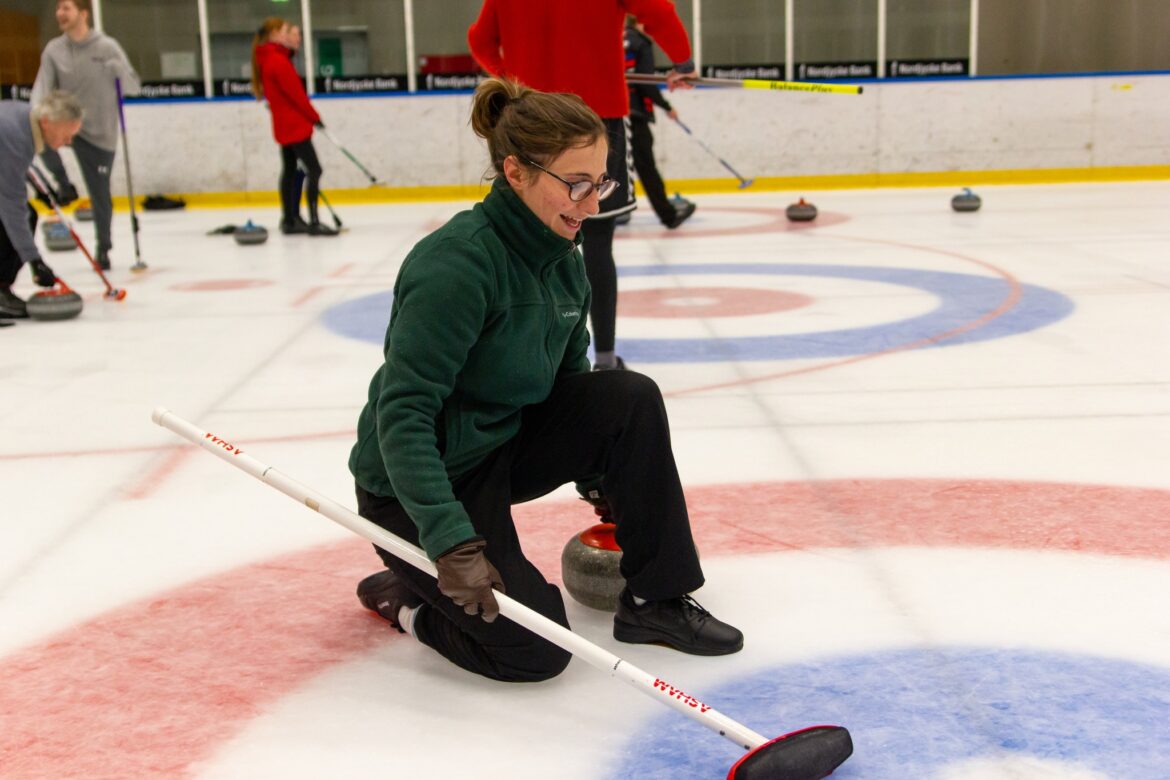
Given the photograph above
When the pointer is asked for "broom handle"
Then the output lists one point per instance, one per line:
(784, 86)
(535, 622)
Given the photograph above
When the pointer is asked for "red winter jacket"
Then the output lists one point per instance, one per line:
(558, 46)
(293, 115)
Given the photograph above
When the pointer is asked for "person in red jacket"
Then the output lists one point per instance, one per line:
(293, 118)
(577, 47)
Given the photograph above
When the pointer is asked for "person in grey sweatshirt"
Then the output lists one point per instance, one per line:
(26, 130)
(86, 63)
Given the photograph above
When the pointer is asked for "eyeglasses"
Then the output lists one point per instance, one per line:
(580, 190)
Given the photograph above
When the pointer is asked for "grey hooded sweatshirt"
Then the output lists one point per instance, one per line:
(88, 69)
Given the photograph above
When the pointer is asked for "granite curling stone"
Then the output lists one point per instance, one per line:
(55, 304)
(57, 237)
(250, 234)
(801, 211)
(966, 201)
(590, 568)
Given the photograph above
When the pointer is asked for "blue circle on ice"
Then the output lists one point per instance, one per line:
(913, 713)
(964, 301)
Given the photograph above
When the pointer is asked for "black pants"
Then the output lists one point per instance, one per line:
(601, 270)
(597, 239)
(642, 147)
(10, 261)
(96, 166)
(290, 181)
(608, 423)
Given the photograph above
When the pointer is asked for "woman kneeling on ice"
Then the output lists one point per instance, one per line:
(486, 400)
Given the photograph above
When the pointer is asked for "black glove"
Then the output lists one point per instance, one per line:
(319, 125)
(592, 495)
(44, 198)
(42, 274)
(66, 194)
(466, 577)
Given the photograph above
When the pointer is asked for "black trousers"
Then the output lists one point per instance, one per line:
(290, 180)
(601, 271)
(642, 147)
(10, 261)
(607, 423)
(597, 238)
(96, 166)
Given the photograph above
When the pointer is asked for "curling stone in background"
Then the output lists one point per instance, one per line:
(250, 234)
(590, 567)
(57, 236)
(84, 211)
(58, 303)
(966, 201)
(801, 211)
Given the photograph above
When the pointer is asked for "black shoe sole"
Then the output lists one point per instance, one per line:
(640, 635)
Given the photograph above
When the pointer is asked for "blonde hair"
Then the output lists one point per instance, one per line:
(532, 125)
(269, 26)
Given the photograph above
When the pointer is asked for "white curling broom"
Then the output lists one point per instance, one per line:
(808, 754)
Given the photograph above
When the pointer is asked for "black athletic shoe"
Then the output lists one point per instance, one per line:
(103, 259)
(162, 203)
(321, 229)
(12, 306)
(297, 227)
(679, 623)
(681, 215)
(384, 593)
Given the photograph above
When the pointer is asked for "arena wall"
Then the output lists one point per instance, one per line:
(895, 133)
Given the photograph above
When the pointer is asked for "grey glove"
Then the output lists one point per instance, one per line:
(466, 577)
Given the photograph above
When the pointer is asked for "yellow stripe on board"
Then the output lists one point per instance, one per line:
(852, 181)
(861, 181)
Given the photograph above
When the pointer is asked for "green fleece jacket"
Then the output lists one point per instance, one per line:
(489, 312)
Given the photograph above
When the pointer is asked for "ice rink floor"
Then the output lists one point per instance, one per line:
(927, 456)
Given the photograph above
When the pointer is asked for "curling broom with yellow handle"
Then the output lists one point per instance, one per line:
(783, 86)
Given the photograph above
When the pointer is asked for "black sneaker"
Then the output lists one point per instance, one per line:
(103, 258)
(679, 623)
(297, 227)
(12, 306)
(321, 229)
(384, 593)
(681, 215)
